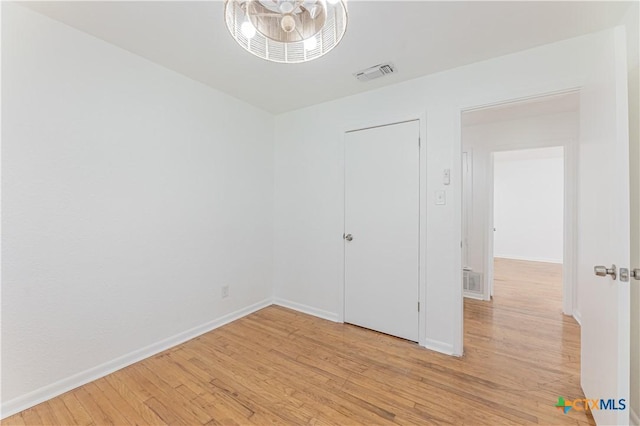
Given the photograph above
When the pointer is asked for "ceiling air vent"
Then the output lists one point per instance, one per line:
(376, 71)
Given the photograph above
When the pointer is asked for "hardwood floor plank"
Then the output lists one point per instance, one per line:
(281, 367)
(245, 389)
(285, 369)
(80, 415)
(60, 411)
(30, 416)
(171, 399)
(98, 416)
(16, 420)
(120, 386)
(121, 405)
(168, 415)
(221, 407)
(113, 413)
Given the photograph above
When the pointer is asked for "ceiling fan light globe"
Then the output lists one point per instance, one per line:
(314, 11)
(286, 7)
(248, 30)
(310, 43)
(288, 23)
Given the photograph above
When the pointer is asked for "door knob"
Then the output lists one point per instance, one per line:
(635, 274)
(348, 237)
(603, 271)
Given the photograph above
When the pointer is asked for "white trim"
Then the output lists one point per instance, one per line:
(422, 230)
(570, 227)
(529, 259)
(470, 295)
(489, 235)
(634, 418)
(305, 309)
(343, 210)
(441, 347)
(52, 390)
(577, 316)
(456, 188)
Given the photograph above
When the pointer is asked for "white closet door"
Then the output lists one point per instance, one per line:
(382, 228)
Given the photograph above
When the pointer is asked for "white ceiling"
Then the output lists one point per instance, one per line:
(419, 37)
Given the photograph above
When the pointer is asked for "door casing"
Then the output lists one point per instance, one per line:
(570, 156)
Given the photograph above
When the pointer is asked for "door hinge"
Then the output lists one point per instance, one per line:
(418, 306)
(419, 140)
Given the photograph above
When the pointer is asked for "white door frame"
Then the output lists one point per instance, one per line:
(570, 162)
(489, 230)
(421, 117)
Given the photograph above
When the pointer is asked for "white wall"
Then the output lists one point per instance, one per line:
(130, 195)
(528, 204)
(533, 132)
(309, 161)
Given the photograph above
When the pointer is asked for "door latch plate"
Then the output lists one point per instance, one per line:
(624, 275)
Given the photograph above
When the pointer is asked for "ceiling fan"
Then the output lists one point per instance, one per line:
(287, 31)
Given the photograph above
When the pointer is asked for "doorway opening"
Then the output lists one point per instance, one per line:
(528, 195)
(518, 228)
(523, 198)
(518, 192)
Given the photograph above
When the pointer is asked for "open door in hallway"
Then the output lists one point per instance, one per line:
(603, 230)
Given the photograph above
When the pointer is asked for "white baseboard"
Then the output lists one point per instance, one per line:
(438, 346)
(470, 295)
(634, 418)
(45, 393)
(433, 345)
(331, 316)
(530, 259)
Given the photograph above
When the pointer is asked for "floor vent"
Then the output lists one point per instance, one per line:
(473, 282)
(376, 71)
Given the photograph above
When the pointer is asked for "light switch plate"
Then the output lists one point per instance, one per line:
(446, 176)
(441, 198)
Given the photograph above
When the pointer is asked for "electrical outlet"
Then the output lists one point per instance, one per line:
(225, 291)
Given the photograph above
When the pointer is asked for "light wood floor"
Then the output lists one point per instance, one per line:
(278, 366)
